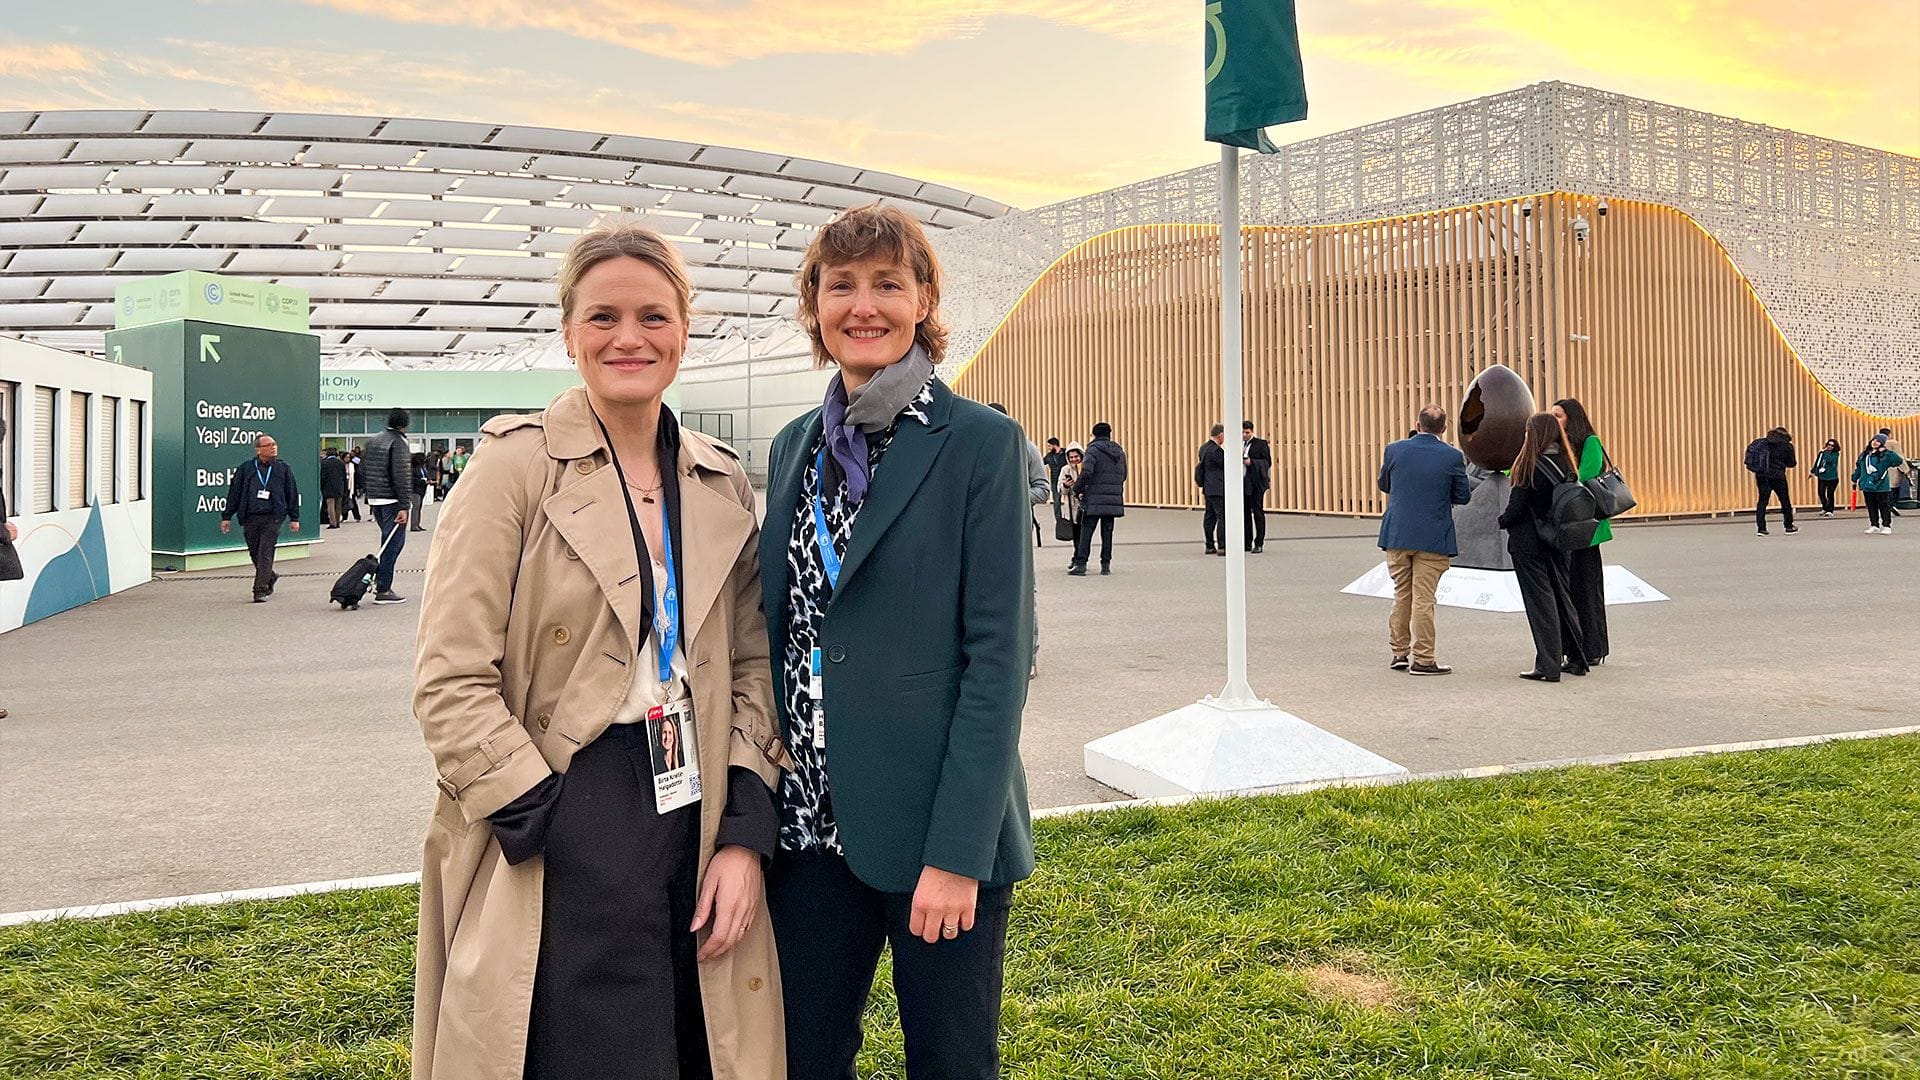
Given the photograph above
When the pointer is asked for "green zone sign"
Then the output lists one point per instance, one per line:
(210, 298)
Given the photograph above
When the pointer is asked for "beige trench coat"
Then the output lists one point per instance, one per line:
(527, 631)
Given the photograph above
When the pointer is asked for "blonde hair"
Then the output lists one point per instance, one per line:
(624, 239)
(865, 232)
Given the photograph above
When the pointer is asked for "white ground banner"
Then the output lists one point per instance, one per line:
(1499, 590)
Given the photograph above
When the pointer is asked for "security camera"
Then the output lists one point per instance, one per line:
(1581, 227)
(1526, 208)
(1603, 208)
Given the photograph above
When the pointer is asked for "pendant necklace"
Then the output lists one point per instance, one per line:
(646, 493)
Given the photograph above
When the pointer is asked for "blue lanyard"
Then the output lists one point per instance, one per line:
(263, 477)
(823, 535)
(666, 625)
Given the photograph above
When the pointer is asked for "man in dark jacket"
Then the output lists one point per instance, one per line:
(1771, 479)
(333, 487)
(262, 495)
(1102, 490)
(1210, 476)
(386, 476)
(1056, 459)
(1424, 479)
(1257, 457)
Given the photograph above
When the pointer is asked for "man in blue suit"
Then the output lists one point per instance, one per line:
(1424, 479)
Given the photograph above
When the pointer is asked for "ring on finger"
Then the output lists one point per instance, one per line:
(951, 930)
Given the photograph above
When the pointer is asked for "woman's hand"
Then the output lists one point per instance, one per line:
(943, 905)
(729, 899)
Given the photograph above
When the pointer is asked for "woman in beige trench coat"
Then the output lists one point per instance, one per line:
(538, 644)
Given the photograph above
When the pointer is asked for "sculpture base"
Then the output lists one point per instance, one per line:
(1476, 526)
(1499, 590)
(1211, 748)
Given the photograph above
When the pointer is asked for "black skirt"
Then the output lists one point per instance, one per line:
(616, 995)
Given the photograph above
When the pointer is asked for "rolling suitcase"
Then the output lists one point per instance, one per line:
(352, 586)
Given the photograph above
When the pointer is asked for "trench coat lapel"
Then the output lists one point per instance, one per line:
(713, 529)
(902, 469)
(592, 516)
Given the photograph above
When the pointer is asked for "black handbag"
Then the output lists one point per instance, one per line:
(10, 568)
(1062, 529)
(1611, 495)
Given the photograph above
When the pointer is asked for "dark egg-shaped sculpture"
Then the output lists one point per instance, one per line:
(1493, 418)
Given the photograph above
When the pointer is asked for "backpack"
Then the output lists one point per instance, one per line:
(1573, 515)
(1759, 458)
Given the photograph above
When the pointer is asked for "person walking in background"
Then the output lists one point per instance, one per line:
(456, 465)
(1770, 459)
(1902, 476)
(1873, 473)
(1101, 486)
(351, 459)
(1826, 469)
(1038, 487)
(384, 475)
(1067, 498)
(420, 482)
(1424, 479)
(1210, 476)
(1056, 460)
(262, 496)
(1586, 578)
(1256, 456)
(333, 486)
(1540, 567)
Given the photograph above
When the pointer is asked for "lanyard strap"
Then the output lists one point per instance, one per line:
(666, 621)
(263, 477)
(823, 536)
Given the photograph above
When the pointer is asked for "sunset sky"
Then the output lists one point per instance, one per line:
(1028, 101)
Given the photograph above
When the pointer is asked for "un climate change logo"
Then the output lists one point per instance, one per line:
(215, 293)
(1216, 41)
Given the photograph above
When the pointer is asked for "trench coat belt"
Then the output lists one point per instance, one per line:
(494, 750)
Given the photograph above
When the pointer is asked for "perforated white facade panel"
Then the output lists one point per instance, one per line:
(1828, 233)
(414, 237)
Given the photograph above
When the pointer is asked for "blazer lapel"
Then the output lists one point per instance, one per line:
(592, 517)
(783, 495)
(713, 527)
(902, 469)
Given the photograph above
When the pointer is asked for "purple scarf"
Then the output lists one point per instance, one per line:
(878, 404)
(846, 443)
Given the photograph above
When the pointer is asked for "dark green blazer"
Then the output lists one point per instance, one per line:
(927, 640)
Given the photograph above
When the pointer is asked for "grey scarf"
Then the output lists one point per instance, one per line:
(872, 408)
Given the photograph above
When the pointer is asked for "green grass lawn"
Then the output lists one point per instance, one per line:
(1755, 915)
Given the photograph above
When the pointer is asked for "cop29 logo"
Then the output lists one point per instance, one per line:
(215, 293)
(1216, 41)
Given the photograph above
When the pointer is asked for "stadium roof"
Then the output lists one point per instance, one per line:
(414, 238)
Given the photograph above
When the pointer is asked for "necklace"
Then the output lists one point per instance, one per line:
(646, 493)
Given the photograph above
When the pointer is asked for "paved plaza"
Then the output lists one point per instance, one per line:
(177, 739)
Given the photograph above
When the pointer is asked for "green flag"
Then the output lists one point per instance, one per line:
(1253, 71)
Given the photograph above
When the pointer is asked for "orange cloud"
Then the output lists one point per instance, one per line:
(42, 60)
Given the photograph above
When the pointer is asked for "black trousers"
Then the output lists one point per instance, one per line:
(1879, 508)
(262, 532)
(1770, 487)
(1214, 522)
(1587, 584)
(616, 994)
(1550, 614)
(1083, 543)
(831, 927)
(1827, 488)
(1256, 535)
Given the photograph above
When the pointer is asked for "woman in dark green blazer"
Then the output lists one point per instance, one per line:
(897, 577)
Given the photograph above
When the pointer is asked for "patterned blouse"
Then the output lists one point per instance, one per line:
(806, 806)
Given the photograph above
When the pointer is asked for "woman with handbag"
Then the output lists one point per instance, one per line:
(1586, 580)
(1538, 563)
(898, 588)
(1067, 526)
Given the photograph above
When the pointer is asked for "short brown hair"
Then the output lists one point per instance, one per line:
(623, 239)
(863, 233)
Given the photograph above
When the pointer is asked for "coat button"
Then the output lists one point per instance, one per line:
(545, 720)
(560, 635)
(572, 554)
(754, 983)
(836, 654)
(584, 468)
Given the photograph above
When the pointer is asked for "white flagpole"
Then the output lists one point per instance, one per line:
(1237, 691)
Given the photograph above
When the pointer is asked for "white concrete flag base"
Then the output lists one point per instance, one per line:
(1499, 590)
(1209, 748)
